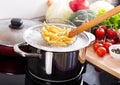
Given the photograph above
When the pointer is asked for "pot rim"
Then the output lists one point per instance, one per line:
(43, 47)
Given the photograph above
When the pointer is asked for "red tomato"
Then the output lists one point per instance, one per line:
(107, 45)
(104, 27)
(101, 51)
(96, 45)
(111, 33)
(100, 33)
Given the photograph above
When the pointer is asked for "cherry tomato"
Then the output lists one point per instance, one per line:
(96, 45)
(111, 33)
(101, 51)
(104, 27)
(100, 33)
(107, 45)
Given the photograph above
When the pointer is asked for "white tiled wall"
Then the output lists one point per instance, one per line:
(22, 8)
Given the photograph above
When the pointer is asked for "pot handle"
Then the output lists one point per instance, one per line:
(91, 37)
(81, 56)
(22, 53)
(82, 52)
(48, 62)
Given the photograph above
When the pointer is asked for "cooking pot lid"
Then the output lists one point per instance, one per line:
(11, 30)
(33, 37)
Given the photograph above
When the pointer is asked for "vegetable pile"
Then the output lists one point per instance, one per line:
(65, 8)
(107, 33)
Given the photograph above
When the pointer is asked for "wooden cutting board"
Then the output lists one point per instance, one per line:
(106, 63)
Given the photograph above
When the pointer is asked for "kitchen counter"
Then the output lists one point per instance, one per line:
(106, 63)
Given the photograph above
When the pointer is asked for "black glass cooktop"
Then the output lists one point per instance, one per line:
(21, 76)
(15, 66)
(23, 79)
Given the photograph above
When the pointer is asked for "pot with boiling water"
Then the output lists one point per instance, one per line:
(53, 63)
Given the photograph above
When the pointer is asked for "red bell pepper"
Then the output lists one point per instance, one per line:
(76, 5)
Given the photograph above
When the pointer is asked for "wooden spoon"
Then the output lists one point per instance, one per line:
(93, 22)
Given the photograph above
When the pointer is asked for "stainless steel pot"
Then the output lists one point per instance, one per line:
(51, 63)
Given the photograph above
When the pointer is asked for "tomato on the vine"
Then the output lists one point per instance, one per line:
(107, 45)
(111, 33)
(104, 27)
(100, 33)
(101, 51)
(96, 45)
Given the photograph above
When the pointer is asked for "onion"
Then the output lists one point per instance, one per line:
(59, 9)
